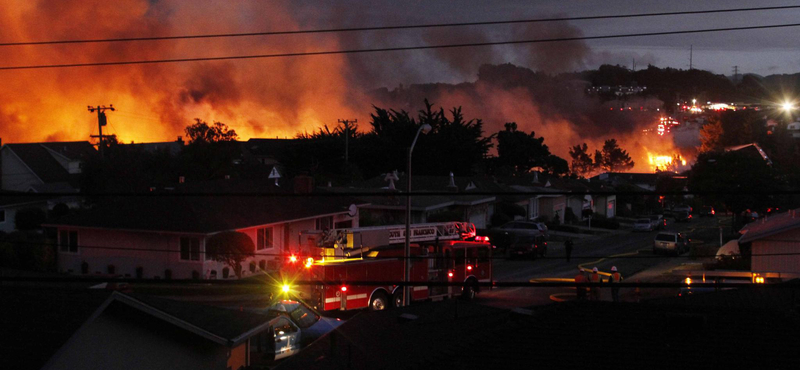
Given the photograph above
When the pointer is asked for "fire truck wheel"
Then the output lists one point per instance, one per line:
(379, 302)
(469, 291)
(397, 298)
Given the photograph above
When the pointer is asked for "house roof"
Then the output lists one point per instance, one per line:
(269, 147)
(37, 321)
(421, 336)
(452, 334)
(39, 157)
(225, 326)
(753, 149)
(204, 214)
(772, 225)
(13, 198)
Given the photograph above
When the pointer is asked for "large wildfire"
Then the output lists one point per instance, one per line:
(283, 97)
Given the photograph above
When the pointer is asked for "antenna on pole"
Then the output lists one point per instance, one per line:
(347, 123)
(102, 120)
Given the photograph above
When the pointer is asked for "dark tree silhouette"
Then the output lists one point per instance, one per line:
(613, 158)
(230, 248)
(582, 164)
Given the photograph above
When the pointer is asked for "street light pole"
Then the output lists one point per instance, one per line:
(425, 128)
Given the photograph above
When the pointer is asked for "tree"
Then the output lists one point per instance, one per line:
(735, 179)
(614, 158)
(711, 136)
(520, 151)
(200, 132)
(582, 164)
(230, 248)
(555, 165)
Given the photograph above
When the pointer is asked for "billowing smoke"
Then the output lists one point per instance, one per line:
(281, 97)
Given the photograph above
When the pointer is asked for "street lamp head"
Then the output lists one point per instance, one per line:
(426, 128)
(787, 106)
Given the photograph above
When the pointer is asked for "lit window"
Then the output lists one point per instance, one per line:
(190, 249)
(264, 238)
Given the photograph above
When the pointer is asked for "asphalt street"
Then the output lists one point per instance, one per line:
(631, 252)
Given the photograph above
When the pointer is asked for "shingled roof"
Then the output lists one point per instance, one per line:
(766, 227)
(39, 157)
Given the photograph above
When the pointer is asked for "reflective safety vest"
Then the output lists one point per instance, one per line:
(615, 277)
(580, 278)
(595, 278)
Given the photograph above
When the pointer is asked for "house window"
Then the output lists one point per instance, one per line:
(264, 238)
(344, 224)
(324, 223)
(190, 249)
(68, 241)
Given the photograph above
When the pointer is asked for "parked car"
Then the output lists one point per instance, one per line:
(707, 211)
(658, 221)
(643, 224)
(527, 246)
(671, 242)
(526, 227)
(682, 216)
(681, 207)
(294, 326)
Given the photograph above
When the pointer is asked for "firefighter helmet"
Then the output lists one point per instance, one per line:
(614, 268)
(594, 269)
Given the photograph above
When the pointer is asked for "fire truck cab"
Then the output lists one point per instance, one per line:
(447, 260)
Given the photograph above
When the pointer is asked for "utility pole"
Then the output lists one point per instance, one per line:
(735, 74)
(690, 56)
(347, 123)
(101, 121)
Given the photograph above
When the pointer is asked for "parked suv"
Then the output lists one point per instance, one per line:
(526, 227)
(658, 221)
(682, 216)
(669, 242)
(527, 246)
(643, 224)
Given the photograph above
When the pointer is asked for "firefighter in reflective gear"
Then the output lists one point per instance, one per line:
(614, 281)
(594, 292)
(580, 290)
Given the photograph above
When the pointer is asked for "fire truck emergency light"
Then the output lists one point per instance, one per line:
(293, 258)
(344, 288)
(450, 274)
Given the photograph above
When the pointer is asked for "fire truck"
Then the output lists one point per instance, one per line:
(441, 253)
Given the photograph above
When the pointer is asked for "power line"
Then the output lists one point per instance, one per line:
(399, 27)
(301, 257)
(387, 194)
(485, 284)
(388, 49)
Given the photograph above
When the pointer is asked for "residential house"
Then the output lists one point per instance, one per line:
(775, 243)
(13, 202)
(43, 167)
(141, 332)
(794, 129)
(752, 149)
(164, 235)
(173, 148)
(389, 204)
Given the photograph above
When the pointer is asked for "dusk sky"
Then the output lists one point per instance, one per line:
(281, 97)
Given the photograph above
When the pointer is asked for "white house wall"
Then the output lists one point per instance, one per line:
(127, 250)
(783, 248)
